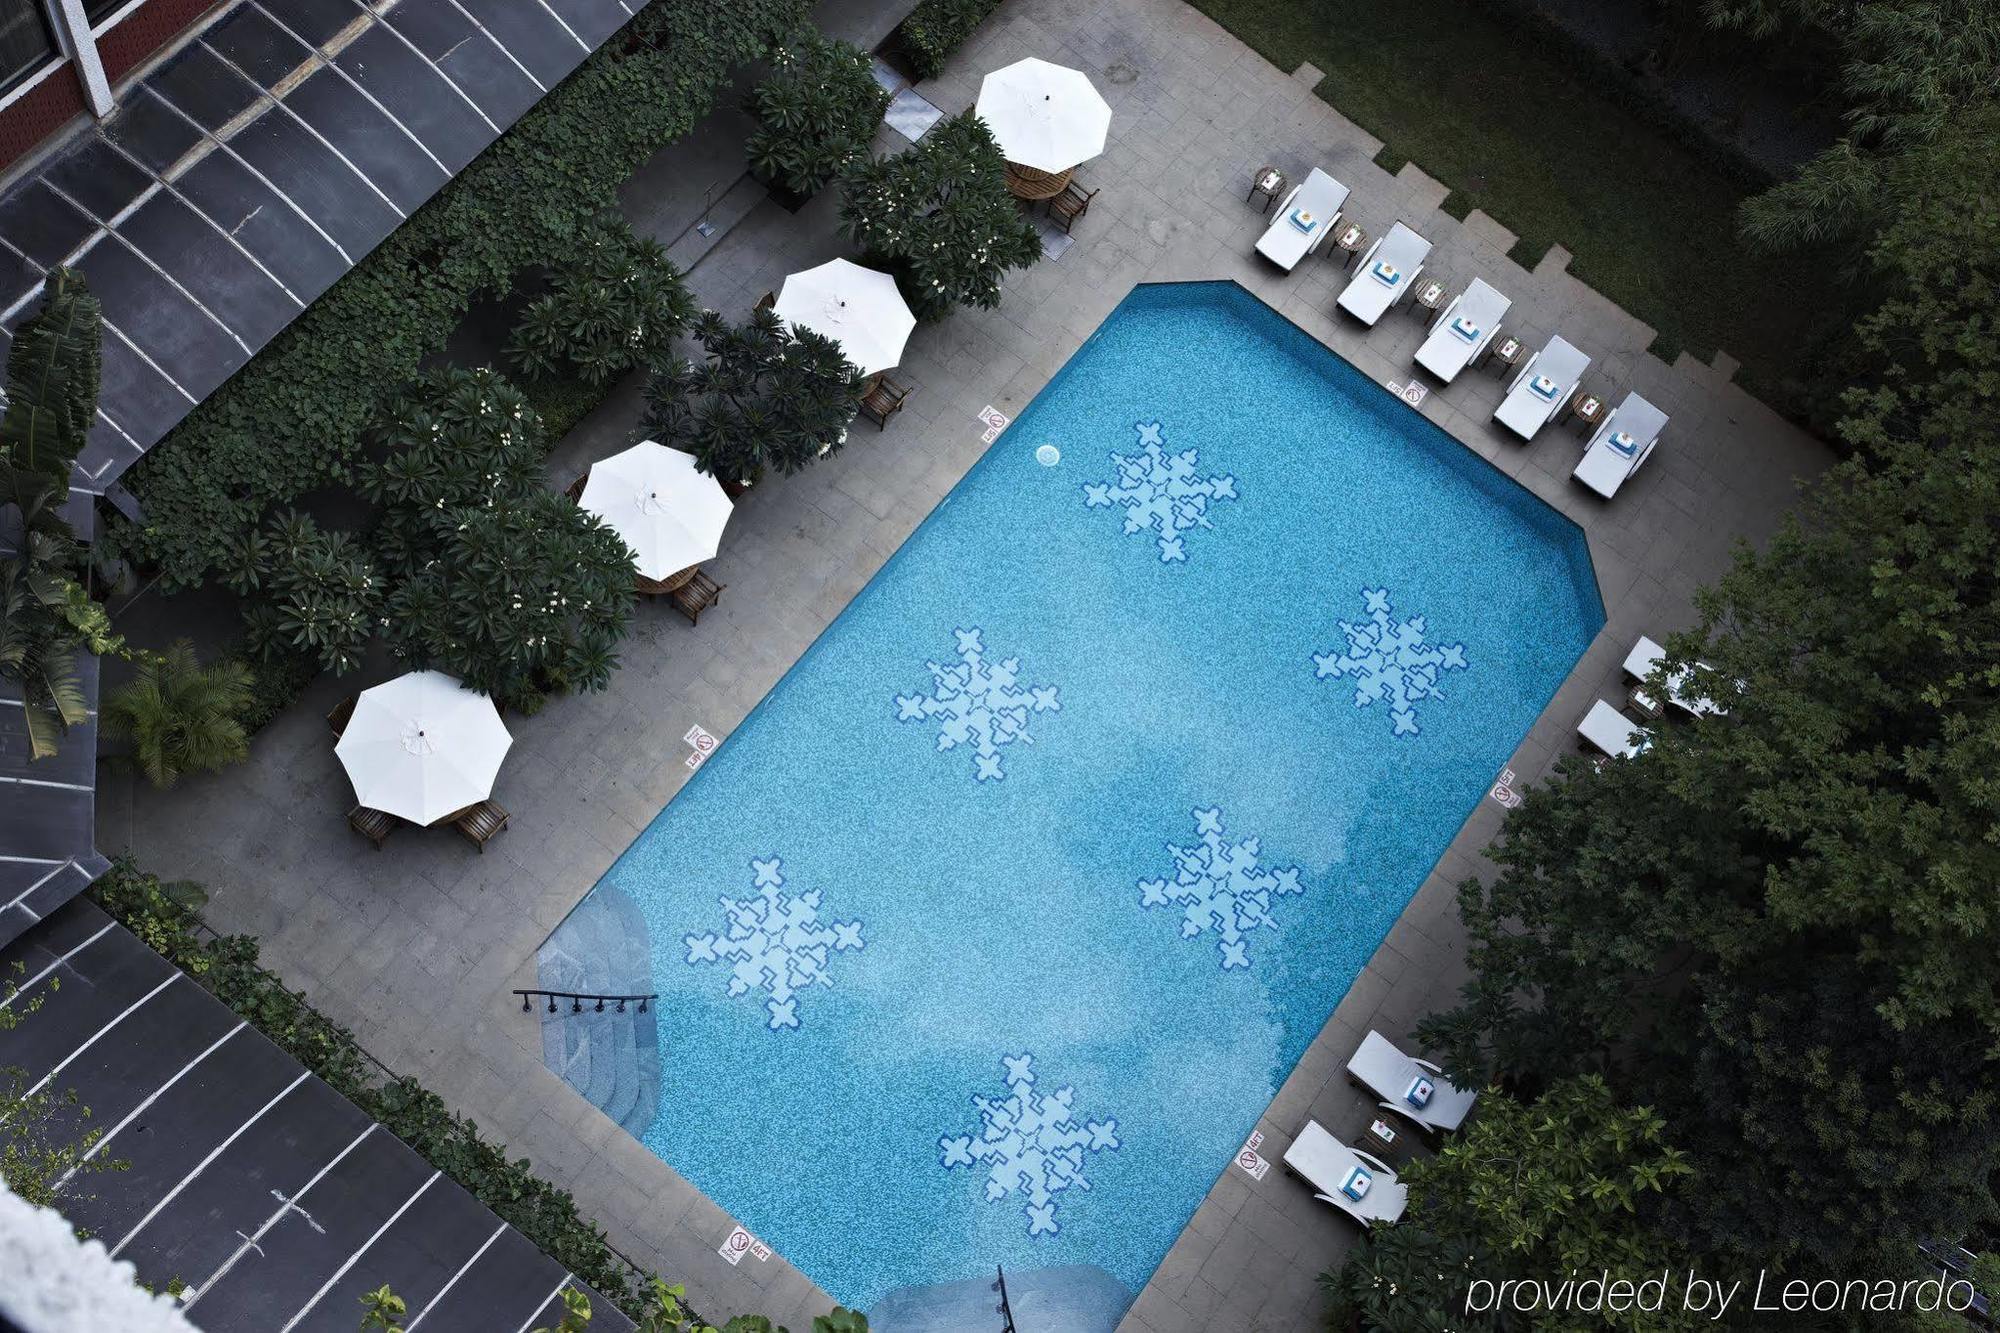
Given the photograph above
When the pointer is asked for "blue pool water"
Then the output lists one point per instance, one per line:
(1088, 806)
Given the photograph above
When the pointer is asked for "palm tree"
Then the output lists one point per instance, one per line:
(38, 650)
(181, 716)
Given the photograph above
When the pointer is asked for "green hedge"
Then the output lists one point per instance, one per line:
(935, 29)
(227, 967)
(290, 420)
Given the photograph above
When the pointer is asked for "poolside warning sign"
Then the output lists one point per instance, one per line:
(740, 1243)
(1253, 1163)
(703, 744)
(996, 421)
(1503, 790)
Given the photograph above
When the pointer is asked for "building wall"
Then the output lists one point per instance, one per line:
(56, 98)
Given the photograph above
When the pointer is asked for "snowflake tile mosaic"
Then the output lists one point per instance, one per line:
(1160, 492)
(1030, 1144)
(1116, 821)
(1390, 661)
(775, 943)
(1222, 888)
(978, 703)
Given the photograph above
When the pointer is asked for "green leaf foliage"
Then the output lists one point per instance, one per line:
(613, 304)
(180, 716)
(936, 28)
(763, 399)
(310, 592)
(1777, 926)
(52, 381)
(815, 113)
(527, 597)
(293, 419)
(938, 216)
(1561, 1185)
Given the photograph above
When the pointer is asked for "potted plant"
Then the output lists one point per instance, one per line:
(815, 115)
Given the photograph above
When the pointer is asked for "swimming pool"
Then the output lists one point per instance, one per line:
(989, 934)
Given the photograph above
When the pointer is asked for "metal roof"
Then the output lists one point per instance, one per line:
(277, 1200)
(233, 185)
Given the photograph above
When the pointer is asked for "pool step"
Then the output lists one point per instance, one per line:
(612, 1059)
(1072, 1298)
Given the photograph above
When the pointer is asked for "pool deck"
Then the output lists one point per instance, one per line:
(416, 946)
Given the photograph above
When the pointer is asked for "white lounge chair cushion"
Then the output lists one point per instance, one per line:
(1385, 1071)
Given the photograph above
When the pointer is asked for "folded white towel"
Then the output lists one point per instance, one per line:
(1544, 386)
(1465, 329)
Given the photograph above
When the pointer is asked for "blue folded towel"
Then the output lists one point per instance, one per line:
(1356, 1184)
(1545, 387)
(1304, 221)
(1623, 443)
(1465, 329)
(1386, 273)
(1418, 1094)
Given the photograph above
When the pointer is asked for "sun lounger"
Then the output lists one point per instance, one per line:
(1607, 729)
(1542, 389)
(1462, 330)
(1639, 664)
(1345, 1177)
(1622, 444)
(1387, 269)
(1415, 1089)
(1303, 220)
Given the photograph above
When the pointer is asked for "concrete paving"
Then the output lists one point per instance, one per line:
(416, 946)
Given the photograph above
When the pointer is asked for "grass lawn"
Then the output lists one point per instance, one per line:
(1515, 130)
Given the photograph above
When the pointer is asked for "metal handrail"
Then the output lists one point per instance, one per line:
(576, 1000)
(1005, 1309)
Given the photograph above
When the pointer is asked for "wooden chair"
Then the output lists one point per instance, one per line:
(575, 489)
(1071, 204)
(374, 825)
(481, 823)
(696, 596)
(883, 399)
(341, 714)
(767, 300)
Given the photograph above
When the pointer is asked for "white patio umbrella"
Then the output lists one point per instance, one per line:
(668, 511)
(422, 746)
(1044, 116)
(857, 307)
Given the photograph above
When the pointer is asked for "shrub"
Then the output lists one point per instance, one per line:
(456, 439)
(181, 716)
(815, 114)
(276, 683)
(316, 592)
(530, 595)
(935, 29)
(614, 304)
(52, 381)
(939, 216)
(764, 399)
(293, 418)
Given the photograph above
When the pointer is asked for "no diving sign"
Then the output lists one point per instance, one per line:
(702, 743)
(1253, 1163)
(740, 1243)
